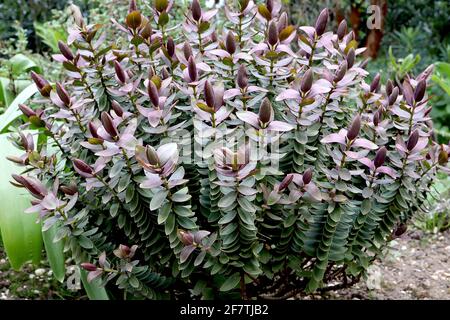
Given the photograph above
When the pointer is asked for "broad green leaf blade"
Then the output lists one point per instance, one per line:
(55, 252)
(21, 234)
(93, 289)
(21, 64)
(231, 282)
(13, 111)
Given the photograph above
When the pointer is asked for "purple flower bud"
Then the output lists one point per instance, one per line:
(286, 182)
(307, 81)
(342, 29)
(230, 43)
(93, 129)
(152, 156)
(380, 157)
(196, 10)
(340, 73)
(393, 97)
(108, 124)
(88, 266)
(43, 85)
(389, 87)
(83, 168)
(120, 72)
(132, 6)
(65, 50)
(164, 73)
(377, 118)
(242, 77)
(27, 111)
(69, 190)
(192, 69)
(117, 108)
(321, 22)
(307, 176)
(350, 58)
(209, 95)
(419, 93)
(187, 50)
(375, 83)
(152, 91)
(412, 140)
(408, 93)
(186, 238)
(62, 94)
(354, 129)
(272, 33)
(170, 46)
(265, 111)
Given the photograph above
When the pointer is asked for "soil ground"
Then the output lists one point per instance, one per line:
(417, 266)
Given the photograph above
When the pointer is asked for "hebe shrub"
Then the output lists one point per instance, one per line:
(251, 161)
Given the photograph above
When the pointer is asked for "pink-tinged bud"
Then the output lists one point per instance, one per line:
(307, 176)
(265, 111)
(286, 182)
(408, 92)
(170, 46)
(282, 22)
(152, 156)
(230, 43)
(412, 140)
(389, 87)
(192, 69)
(93, 130)
(393, 97)
(108, 124)
(272, 33)
(209, 95)
(65, 50)
(213, 36)
(186, 238)
(82, 168)
(377, 117)
(134, 20)
(419, 93)
(43, 85)
(307, 81)
(242, 77)
(152, 91)
(375, 83)
(340, 73)
(27, 142)
(19, 179)
(269, 5)
(187, 50)
(62, 94)
(132, 6)
(164, 73)
(196, 10)
(16, 160)
(342, 29)
(380, 157)
(350, 58)
(321, 22)
(27, 111)
(88, 266)
(120, 72)
(77, 16)
(69, 190)
(117, 108)
(354, 129)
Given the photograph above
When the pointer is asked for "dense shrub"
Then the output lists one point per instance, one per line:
(254, 160)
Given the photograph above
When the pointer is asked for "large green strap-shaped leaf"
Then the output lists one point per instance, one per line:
(21, 64)
(93, 289)
(21, 234)
(13, 111)
(55, 252)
